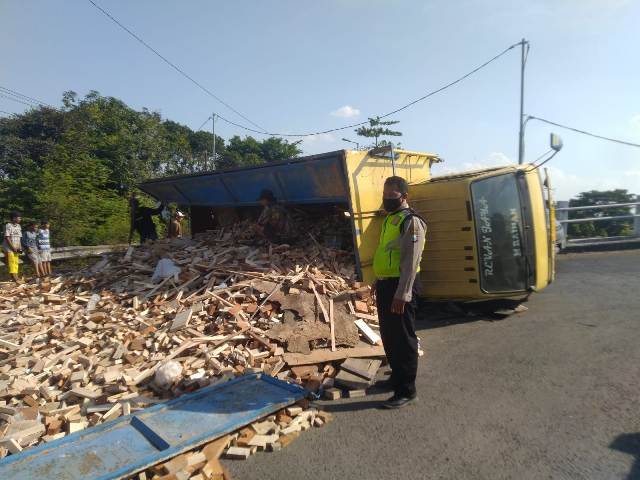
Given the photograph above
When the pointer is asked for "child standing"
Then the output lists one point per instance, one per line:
(30, 245)
(44, 247)
(11, 244)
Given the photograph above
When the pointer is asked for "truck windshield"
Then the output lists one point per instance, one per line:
(500, 234)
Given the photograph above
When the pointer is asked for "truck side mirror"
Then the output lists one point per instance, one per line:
(555, 142)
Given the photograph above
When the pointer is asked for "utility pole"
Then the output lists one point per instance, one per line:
(523, 59)
(213, 129)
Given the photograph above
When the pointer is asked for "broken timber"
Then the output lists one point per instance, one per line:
(319, 356)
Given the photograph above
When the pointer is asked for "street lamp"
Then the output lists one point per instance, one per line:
(351, 141)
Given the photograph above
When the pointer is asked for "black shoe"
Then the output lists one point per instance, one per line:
(399, 401)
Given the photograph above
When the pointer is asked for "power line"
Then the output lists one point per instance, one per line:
(203, 123)
(8, 113)
(388, 114)
(24, 97)
(18, 101)
(584, 132)
(171, 64)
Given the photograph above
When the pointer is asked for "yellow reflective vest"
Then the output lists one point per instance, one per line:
(386, 261)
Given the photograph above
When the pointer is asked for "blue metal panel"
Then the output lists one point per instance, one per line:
(317, 179)
(170, 194)
(130, 444)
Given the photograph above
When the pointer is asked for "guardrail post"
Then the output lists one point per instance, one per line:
(636, 220)
(562, 214)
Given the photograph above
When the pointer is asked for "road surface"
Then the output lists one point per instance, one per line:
(551, 393)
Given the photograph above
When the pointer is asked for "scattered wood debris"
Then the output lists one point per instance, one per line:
(81, 350)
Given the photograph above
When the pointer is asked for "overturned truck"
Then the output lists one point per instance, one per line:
(488, 230)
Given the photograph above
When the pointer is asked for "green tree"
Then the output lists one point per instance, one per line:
(608, 228)
(76, 198)
(275, 149)
(245, 152)
(378, 128)
(202, 149)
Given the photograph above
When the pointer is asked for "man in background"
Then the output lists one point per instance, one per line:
(12, 244)
(175, 226)
(274, 222)
(142, 220)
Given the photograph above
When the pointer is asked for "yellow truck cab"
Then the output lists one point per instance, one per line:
(488, 234)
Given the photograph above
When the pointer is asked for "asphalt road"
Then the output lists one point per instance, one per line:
(551, 393)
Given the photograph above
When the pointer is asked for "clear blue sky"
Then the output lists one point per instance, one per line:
(291, 65)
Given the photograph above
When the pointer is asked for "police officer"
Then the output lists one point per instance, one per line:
(396, 264)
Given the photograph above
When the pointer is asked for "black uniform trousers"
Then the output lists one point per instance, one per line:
(398, 332)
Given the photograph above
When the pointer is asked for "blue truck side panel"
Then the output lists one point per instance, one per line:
(315, 179)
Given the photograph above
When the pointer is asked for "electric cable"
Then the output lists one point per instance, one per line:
(27, 98)
(584, 132)
(171, 64)
(17, 100)
(388, 114)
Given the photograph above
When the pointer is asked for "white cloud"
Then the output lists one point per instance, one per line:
(322, 137)
(346, 111)
(494, 159)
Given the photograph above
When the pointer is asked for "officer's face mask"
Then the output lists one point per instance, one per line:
(392, 204)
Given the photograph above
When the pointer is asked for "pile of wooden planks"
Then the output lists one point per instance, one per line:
(84, 349)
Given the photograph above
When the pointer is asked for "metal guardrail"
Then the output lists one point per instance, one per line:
(562, 215)
(62, 253)
(86, 251)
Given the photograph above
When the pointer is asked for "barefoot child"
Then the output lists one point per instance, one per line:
(44, 248)
(30, 246)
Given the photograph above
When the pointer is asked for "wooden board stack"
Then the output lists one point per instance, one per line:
(81, 350)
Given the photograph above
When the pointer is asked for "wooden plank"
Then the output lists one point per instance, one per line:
(324, 311)
(365, 368)
(214, 449)
(181, 320)
(321, 356)
(86, 393)
(9, 345)
(332, 394)
(357, 393)
(238, 453)
(368, 332)
(10, 444)
(373, 318)
(332, 326)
